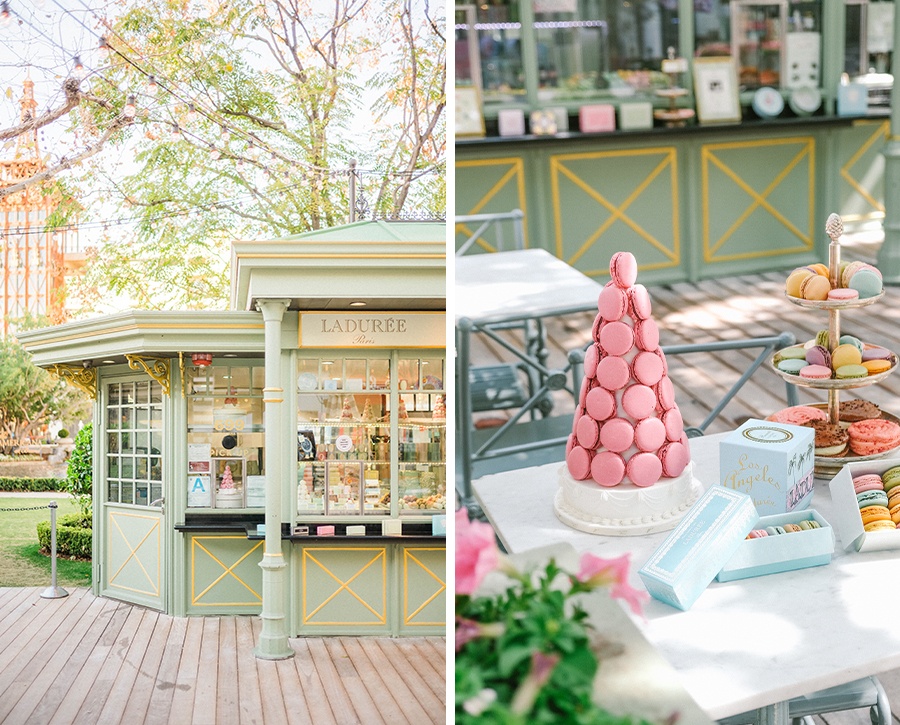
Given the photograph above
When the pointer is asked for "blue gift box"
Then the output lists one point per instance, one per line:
(783, 552)
(439, 525)
(692, 555)
(772, 462)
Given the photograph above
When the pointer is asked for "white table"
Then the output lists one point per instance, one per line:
(521, 286)
(747, 644)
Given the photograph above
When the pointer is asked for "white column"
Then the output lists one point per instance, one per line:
(273, 639)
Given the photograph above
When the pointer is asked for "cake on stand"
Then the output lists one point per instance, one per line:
(673, 116)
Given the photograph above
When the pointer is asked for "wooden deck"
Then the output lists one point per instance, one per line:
(728, 309)
(84, 659)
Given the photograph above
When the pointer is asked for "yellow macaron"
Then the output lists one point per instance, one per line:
(795, 279)
(870, 514)
(880, 526)
(845, 354)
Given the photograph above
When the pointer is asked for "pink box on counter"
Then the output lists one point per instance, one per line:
(324, 530)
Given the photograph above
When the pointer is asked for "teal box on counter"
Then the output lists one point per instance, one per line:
(692, 555)
(772, 463)
(781, 552)
(439, 525)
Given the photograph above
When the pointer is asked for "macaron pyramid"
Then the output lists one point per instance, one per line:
(627, 427)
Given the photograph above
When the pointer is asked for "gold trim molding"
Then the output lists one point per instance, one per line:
(85, 379)
(156, 367)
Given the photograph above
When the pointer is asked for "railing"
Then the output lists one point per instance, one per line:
(487, 221)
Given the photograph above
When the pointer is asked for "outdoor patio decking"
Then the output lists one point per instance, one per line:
(85, 659)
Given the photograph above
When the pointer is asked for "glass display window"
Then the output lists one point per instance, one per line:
(134, 442)
(226, 435)
(378, 437)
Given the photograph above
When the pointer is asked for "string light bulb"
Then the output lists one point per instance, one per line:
(130, 108)
(104, 47)
(215, 153)
(176, 132)
(5, 15)
(79, 67)
(192, 112)
(152, 86)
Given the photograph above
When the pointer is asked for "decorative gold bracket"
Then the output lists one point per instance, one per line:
(156, 367)
(83, 378)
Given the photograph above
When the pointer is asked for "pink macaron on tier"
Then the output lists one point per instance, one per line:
(616, 338)
(608, 468)
(644, 469)
(613, 372)
(623, 269)
(647, 368)
(612, 303)
(639, 302)
(815, 372)
(867, 482)
(646, 334)
(617, 435)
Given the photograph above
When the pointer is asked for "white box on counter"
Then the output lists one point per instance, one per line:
(847, 520)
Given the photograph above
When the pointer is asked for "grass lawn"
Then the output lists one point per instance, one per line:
(21, 565)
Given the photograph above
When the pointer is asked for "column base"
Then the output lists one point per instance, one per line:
(273, 641)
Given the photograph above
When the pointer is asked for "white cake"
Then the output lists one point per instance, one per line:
(626, 509)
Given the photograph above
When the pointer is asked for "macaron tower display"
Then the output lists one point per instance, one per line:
(855, 429)
(628, 468)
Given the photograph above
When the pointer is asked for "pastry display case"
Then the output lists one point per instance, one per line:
(370, 436)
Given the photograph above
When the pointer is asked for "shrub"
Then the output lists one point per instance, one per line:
(73, 535)
(80, 473)
(63, 433)
(18, 483)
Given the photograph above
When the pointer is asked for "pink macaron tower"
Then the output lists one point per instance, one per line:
(627, 427)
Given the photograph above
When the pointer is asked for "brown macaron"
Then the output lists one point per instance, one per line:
(853, 411)
(832, 441)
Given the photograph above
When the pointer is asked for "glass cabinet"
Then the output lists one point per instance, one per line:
(370, 435)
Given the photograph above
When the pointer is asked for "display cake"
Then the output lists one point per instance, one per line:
(628, 469)
(228, 496)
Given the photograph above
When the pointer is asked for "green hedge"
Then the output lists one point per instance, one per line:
(73, 535)
(14, 483)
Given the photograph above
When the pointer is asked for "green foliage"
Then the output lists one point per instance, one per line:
(535, 614)
(80, 473)
(69, 572)
(30, 397)
(73, 536)
(20, 484)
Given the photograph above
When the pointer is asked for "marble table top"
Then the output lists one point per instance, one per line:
(744, 644)
(518, 285)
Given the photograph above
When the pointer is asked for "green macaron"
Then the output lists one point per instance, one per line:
(793, 366)
(845, 372)
(891, 478)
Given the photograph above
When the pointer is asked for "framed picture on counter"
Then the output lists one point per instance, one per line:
(716, 90)
(468, 118)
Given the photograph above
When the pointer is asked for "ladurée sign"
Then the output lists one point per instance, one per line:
(372, 329)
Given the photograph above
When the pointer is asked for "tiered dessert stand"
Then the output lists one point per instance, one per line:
(673, 116)
(828, 466)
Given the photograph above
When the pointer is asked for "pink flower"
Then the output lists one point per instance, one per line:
(476, 552)
(542, 666)
(596, 571)
(469, 629)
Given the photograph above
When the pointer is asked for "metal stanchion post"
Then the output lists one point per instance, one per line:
(53, 591)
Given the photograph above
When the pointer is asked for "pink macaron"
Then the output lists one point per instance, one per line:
(646, 334)
(607, 468)
(612, 303)
(674, 457)
(639, 401)
(616, 338)
(613, 372)
(600, 404)
(649, 434)
(587, 432)
(647, 368)
(674, 424)
(665, 394)
(867, 482)
(643, 469)
(578, 461)
(591, 358)
(815, 372)
(639, 302)
(842, 294)
(616, 435)
(876, 353)
(623, 269)
(599, 322)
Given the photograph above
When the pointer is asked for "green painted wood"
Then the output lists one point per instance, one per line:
(690, 204)
(133, 555)
(424, 589)
(224, 574)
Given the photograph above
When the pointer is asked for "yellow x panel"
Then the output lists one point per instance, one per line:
(880, 134)
(226, 571)
(378, 557)
(134, 553)
(665, 171)
(514, 175)
(711, 159)
(409, 556)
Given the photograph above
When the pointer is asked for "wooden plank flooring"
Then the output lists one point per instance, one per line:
(85, 659)
(727, 309)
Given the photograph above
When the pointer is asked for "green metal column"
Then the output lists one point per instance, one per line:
(889, 254)
(528, 40)
(273, 640)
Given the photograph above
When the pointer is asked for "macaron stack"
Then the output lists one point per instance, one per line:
(851, 359)
(878, 497)
(857, 280)
(627, 427)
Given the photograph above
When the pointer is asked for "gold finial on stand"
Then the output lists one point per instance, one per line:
(834, 228)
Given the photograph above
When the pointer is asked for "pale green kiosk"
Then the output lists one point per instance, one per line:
(286, 457)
